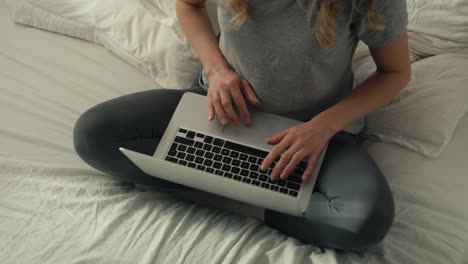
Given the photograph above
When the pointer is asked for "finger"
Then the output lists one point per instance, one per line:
(292, 165)
(310, 167)
(274, 153)
(277, 138)
(227, 107)
(283, 162)
(219, 109)
(249, 93)
(240, 102)
(211, 109)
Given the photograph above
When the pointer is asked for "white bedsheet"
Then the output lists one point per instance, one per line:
(56, 209)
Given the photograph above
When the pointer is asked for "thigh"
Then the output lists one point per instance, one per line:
(135, 121)
(351, 206)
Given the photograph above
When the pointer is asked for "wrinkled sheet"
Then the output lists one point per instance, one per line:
(56, 209)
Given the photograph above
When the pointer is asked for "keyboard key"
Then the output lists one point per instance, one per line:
(284, 190)
(274, 187)
(244, 173)
(185, 141)
(181, 130)
(252, 159)
(254, 167)
(192, 165)
(216, 150)
(281, 183)
(295, 179)
(226, 167)
(302, 165)
(218, 142)
(191, 150)
(174, 146)
(234, 154)
(298, 172)
(228, 175)
(219, 172)
(253, 175)
(259, 161)
(243, 157)
(181, 155)
(208, 155)
(207, 147)
(198, 144)
(227, 160)
(182, 148)
(263, 177)
(172, 153)
(201, 167)
(235, 170)
(236, 162)
(171, 159)
(273, 164)
(292, 185)
(218, 157)
(265, 185)
(247, 180)
(183, 162)
(225, 152)
(208, 139)
(191, 134)
(237, 178)
(208, 162)
(199, 160)
(293, 193)
(245, 149)
(217, 165)
(190, 157)
(200, 135)
(255, 182)
(245, 165)
(210, 170)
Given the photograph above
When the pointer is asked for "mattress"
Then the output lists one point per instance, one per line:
(56, 209)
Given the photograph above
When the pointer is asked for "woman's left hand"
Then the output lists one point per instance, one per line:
(302, 142)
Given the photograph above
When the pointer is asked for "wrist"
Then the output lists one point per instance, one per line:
(326, 123)
(214, 69)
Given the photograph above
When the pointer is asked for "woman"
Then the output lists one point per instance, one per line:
(291, 58)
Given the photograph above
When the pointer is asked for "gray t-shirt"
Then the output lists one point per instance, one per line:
(291, 75)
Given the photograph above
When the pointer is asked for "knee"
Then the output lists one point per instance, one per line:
(374, 196)
(376, 221)
(89, 131)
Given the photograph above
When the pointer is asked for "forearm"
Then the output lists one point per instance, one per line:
(373, 93)
(196, 26)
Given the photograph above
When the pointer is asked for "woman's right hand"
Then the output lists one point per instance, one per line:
(225, 87)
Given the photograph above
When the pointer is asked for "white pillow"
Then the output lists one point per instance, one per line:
(168, 7)
(425, 114)
(437, 26)
(153, 44)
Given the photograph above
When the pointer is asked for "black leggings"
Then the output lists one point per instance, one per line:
(351, 207)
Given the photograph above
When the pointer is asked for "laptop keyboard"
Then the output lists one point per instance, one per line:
(231, 160)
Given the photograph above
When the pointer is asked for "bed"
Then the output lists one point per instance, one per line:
(56, 209)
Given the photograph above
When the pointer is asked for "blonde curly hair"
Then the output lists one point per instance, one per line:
(327, 13)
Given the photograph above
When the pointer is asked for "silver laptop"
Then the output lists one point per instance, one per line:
(225, 160)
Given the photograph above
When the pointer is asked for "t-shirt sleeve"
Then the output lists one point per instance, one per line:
(396, 20)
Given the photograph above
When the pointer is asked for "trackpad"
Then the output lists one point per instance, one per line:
(263, 126)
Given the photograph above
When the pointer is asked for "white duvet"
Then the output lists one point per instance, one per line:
(56, 209)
